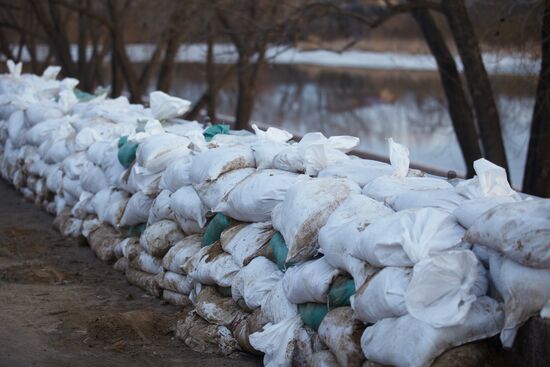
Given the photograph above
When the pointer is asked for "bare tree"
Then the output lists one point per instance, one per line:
(536, 180)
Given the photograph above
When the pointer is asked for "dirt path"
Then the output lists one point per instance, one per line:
(60, 306)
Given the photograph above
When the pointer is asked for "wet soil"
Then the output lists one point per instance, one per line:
(61, 306)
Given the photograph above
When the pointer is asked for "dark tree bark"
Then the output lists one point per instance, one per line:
(164, 82)
(459, 107)
(536, 180)
(211, 79)
(479, 85)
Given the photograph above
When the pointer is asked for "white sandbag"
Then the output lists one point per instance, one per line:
(180, 253)
(72, 187)
(415, 343)
(360, 171)
(112, 168)
(186, 204)
(383, 295)
(97, 151)
(209, 165)
(245, 240)
(342, 232)
(42, 131)
(147, 263)
(341, 333)
(189, 226)
(386, 188)
(525, 292)
(92, 178)
(137, 209)
(309, 281)
(272, 134)
(490, 181)
(265, 151)
(159, 237)
(442, 290)
(54, 178)
(164, 107)
(277, 342)
(156, 152)
(253, 199)
(314, 152)
(160, 208)
(211, 266)
(254, 281)
(176, 175)
(16, 128)
(408, 236)
(470, 210)
(177, 283)
(446, 199)
(276, 307)
(115, 208)
(212, 193)
(519, 230)
(305, 209)
(141, 180)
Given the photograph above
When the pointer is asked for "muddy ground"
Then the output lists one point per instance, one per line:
(60, 306)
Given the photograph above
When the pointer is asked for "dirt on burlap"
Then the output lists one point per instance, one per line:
(60, 306)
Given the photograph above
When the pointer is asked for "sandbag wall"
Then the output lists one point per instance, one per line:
(297, 251)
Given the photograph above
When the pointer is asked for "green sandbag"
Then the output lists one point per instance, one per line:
(214, 130)
(126, 151)
(279, 250)
(83, 96)
(214, 229)
(312, 314)
(340, 291)
(136, 230)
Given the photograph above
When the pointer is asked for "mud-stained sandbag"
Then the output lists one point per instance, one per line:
(525, 292)
(121, 265)
(212, 193)
(254, 198)
(216, 309)
(147, 263)
(150, 283)
(470, 210)
(276, 307)
(383, 295)
(252, 323)
(176, 299)
(277, 341)
(103, 241)
(323, 358)
(484, 320)
(128, 248)
(177, 283)
(203, 337)
(309, 281)
(519, 230)
(254, 281)
(159, 237)
(305, 209)
(445, 199)
(244, 241)
(342, 233)
(212, 266)
(408, 236)
(181, 252)
(160, 208)
(211, 164)
(341, 332)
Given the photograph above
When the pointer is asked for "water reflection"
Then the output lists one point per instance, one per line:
(374, 105)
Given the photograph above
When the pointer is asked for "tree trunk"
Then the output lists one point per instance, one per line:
(245, 97)
(164, 82)
(478, 82)
(459, 107)
(211, 80)
(536, 180)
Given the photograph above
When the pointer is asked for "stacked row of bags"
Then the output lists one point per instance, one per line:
(297, 251)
